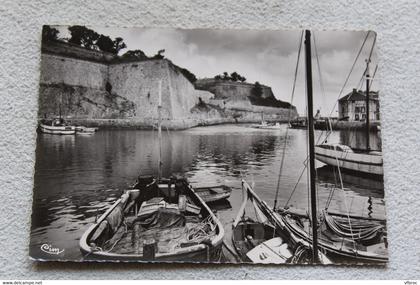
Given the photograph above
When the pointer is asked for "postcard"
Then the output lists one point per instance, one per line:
(208, 146)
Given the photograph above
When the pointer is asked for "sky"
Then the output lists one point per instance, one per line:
(266, 56)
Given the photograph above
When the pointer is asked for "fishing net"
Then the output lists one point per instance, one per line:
(168, 230)
(361, 231)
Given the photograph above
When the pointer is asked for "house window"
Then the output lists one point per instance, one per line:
(356, 117)
(363, 116)
(357, 110)
(362, 109)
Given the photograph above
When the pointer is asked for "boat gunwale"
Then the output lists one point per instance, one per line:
(215, 242)
(331, 247)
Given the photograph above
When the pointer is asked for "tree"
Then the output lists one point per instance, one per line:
(82, 36)
(119, 44)
(234, 76)
(242, 79)
(49, 34)
(218, 77)
(225, 76)
(257, 90)
(104, 43)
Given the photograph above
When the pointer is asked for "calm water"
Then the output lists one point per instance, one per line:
(78, 177)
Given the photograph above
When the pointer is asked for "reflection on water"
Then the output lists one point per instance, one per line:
(78, 177)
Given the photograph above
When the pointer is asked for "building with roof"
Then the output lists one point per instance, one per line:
(352, 107)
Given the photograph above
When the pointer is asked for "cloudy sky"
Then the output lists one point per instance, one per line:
(265, 56)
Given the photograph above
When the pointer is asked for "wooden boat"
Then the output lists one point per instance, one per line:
(162, 220)
(349, 239)
(265, 125)
(80, 130)
(268, 240)
(211, 194)
(276, 126)
(56, 127)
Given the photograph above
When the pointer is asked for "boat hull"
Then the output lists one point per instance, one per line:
(203, 254)
(209, 251)
(213, 194)
(57, 130)
(335, 250)
(259, 232)
(359, 162)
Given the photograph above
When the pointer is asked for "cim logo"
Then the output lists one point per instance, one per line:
(48, 248)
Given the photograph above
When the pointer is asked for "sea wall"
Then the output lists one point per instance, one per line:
(139, 82)
(58, 69)
(77, 88)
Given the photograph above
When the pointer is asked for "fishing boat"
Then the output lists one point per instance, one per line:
(211, 194)
(265, 125)
(267, 239)
(361, 160)
(348, 238)
(157, 219)
(56, 127)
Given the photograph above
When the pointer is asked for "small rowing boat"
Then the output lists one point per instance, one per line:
(80, 130)
(163, 220)
(213, 193)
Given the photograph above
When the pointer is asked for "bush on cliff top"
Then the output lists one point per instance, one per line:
(234, 76)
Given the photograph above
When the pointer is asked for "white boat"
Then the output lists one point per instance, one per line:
(343, 156)
(80, 130)
(56, 127)
(264, 125)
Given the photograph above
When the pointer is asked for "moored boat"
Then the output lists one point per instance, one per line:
(343, 156)
(56, 127)
(268, 240)
(163, 220)
(211, 194)
(85, 130)
(346, 238)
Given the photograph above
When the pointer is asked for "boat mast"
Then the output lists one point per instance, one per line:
(160, 130)
(311, 146)
(367, 105)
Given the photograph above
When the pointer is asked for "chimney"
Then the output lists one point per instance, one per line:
(354, 90)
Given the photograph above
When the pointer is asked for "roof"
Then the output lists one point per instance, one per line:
(359, 95)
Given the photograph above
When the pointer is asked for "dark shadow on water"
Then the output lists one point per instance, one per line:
(363, 185)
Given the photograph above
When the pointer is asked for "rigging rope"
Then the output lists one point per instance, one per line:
(289, 114)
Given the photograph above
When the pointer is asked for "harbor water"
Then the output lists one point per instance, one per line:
(78, 177)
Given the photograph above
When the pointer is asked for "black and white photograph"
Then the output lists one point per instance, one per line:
(209, 146)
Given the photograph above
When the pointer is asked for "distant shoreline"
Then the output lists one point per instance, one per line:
(166, 124)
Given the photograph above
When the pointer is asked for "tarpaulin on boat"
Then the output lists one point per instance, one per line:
(162, 218)
(364, 231)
